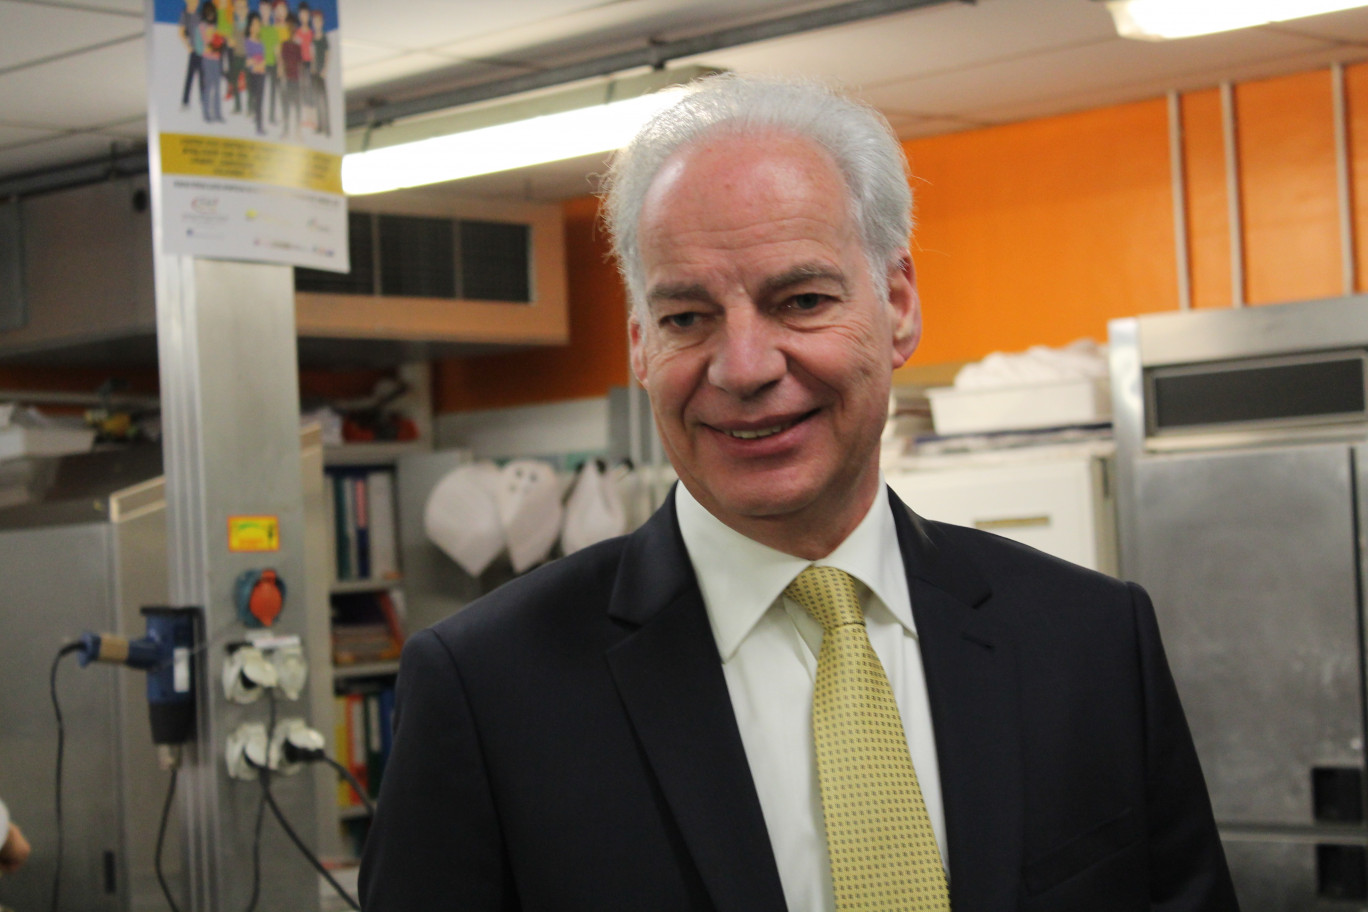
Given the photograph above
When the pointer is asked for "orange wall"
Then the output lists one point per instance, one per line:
(595, 359)
(1040, 232)
(1286, 142)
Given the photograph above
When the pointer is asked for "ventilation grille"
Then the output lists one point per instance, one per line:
(1291, 390)
(416, 256)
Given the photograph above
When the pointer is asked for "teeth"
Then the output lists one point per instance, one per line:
(763, 432)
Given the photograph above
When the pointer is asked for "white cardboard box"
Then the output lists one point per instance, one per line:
(1046, 405)
(17, 440)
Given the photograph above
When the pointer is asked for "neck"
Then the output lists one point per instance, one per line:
(811, 533)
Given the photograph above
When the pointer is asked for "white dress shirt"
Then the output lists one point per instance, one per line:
(769, 647)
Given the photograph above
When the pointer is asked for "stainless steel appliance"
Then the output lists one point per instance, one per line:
(1242, 464)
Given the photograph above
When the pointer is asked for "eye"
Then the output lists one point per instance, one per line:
(682, 320)
(807, 301)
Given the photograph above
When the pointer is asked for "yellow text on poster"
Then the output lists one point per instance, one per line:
(282, 165)
(253, 533)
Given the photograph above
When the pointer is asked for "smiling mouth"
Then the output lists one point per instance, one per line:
(759, 433)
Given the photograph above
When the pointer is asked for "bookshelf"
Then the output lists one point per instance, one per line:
(366, 615)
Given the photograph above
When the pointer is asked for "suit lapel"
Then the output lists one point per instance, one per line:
(669, 676)
(971, 681)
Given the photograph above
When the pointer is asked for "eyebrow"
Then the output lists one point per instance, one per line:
(797, 275)
(679, 291)
(804, 272)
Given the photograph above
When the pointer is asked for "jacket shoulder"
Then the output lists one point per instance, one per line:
(546, 597)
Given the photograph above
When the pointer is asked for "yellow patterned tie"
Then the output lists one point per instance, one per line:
(879, 837)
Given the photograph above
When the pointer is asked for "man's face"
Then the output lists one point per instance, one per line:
(765, 350)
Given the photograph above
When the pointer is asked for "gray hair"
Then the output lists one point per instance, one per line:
(856, 136)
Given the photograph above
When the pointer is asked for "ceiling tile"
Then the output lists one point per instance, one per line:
(126, 7)
(94, 88)
(35, 32)
(357, 53)
(1108, 69)
(1084, 99)
(1349, 25)
(940, 39)
(426, 24)
(606, 27)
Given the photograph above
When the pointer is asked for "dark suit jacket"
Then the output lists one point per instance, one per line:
(567, 743)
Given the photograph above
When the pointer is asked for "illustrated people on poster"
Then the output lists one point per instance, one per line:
(271, 27)
(237, 59)
(306, 39)
(291, 75)
(194, 43)
(255, 51)
(320, 73)
(223, 26)
(210, 61)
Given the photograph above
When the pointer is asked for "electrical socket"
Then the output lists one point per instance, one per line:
(247, 673)
(247, 742)
(292, 670)
(297, 734)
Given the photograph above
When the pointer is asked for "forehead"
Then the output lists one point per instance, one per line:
(738, 190)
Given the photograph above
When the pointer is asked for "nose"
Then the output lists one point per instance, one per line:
(746, 359)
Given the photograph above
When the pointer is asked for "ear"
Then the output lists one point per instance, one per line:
(637, 348)
(905, 302)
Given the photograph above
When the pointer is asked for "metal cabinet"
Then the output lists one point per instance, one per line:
(1241, 464)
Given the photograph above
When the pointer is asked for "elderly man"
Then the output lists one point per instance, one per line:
(786, 690)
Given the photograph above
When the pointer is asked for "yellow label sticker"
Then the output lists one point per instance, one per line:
(253, 533)
(296, 167)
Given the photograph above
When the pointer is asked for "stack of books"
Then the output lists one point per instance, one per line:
(362, 514)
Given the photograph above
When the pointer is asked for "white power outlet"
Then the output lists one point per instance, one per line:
(248, 742)
(294, 733)
(292, 670)
(246, 674)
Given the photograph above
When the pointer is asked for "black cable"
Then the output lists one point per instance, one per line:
(161, 838)
(61, 743)
(256, 851)
(299, 843)
(356, 786)
(260, 816)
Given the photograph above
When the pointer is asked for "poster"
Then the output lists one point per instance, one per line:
(247, 129)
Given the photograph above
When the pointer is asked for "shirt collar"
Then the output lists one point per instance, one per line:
(740, 578)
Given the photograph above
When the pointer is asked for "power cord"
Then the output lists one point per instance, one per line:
(345, 773)
(264, 776)
(161, 834)
(260, 816)
(61, 744)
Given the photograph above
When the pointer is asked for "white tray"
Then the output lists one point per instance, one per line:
(1045, 405)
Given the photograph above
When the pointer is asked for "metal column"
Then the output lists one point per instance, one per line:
(229, 384)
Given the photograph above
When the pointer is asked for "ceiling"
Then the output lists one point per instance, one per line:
(72, 83)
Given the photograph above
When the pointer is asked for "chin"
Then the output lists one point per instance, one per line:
(762, 499)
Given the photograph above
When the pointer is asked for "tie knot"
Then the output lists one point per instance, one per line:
(828, 595)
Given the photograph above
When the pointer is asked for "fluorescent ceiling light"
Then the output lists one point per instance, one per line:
(1156, 20)
(502, 147)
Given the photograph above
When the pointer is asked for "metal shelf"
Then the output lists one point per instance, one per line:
(377, 453)
(339, 587)
(365, 670)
